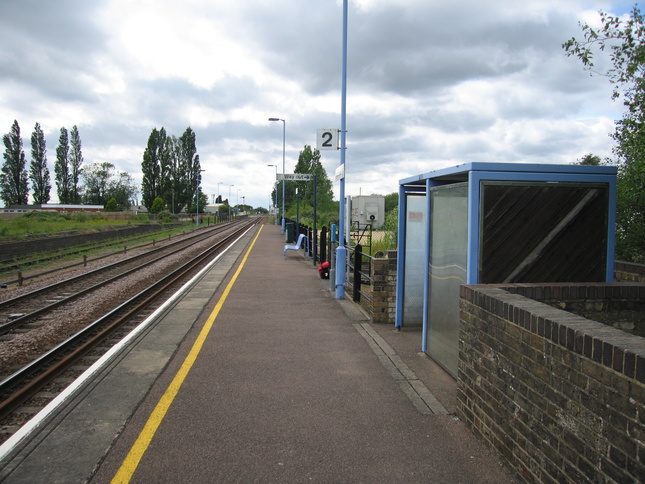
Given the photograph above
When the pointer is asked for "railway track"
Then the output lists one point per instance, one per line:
(32, 386)
(16, 312)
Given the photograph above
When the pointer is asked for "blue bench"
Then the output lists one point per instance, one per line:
(302, 240)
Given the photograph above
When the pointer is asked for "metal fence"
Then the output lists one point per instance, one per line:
(358, 266)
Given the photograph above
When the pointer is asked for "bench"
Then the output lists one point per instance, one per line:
(302, 238)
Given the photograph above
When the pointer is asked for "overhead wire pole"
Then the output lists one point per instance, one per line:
(341, 251)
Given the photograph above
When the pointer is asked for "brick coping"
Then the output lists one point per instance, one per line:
(520, 304)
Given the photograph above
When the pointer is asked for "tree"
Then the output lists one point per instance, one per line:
(171, 170)
(169, 166)
(61, 168)
(38, 171)
(590, 160)
(111, 206)
(309, 162)
(102, 182)
(203, 201)
(189, 176)
(75, 164)
(14, 185)
(158, 205)
(153, 182)
(625, 41)
(123, 188)
(391, 202)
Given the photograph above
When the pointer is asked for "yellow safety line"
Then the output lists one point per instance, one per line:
(140, 446)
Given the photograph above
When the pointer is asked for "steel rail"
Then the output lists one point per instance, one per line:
(17, 322)
(42, 371)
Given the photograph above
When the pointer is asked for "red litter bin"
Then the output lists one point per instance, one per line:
(323, 270)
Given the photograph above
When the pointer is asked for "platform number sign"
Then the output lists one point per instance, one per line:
(327, 139)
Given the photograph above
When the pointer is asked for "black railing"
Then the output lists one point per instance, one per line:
(321, 247)
(359, 266)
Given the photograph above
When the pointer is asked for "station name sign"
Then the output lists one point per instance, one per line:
(295, 176)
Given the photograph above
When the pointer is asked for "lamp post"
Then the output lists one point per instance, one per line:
(284, 132)
(229, 201)
(275, 202)
(341, 251)
(197, 180)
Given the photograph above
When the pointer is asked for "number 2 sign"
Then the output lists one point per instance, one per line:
(327, 139)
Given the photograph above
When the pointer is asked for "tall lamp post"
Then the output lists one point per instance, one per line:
(284, 133)
(197, 179)
(229, 201)
(341, 251)
(275, 202)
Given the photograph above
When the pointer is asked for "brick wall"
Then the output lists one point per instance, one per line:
(629, 272)
(559, 397)
(384, 288)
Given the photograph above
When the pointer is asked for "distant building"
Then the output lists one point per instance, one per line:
(213, 207)
(139, 209)
(52, 207)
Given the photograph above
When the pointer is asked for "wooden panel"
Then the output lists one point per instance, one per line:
(543, 233)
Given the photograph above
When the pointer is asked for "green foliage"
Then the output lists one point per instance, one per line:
(102, 182)
(171, 170)
(153, 179)
(166, 217)
(14, 185)
(624, 39)
(61, 168)
(38, 171)
(391, 201)
(75, 165)
(590, 160)
(81, 217)
(38, 217)
(157, 206)
(390, 227)
(112, 206)
(41, 222)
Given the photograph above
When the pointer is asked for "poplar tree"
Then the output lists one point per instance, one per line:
(14, 185)
(61, 168)
(171, 170)
(189, 170)
(75, 166)
(152, 181)
(38, 171)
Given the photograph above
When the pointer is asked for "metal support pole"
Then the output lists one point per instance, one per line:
(341, 252)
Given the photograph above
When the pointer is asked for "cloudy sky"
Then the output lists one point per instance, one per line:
(430, 83)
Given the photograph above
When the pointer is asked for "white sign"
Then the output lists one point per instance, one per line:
(327, 139)
(295, 176)
(340, 172)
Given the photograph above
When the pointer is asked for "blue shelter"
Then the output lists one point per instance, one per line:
(487, 223)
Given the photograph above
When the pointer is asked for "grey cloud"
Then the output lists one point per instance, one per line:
(49, 45)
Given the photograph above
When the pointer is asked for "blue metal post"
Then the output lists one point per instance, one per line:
(284, 135)
(400, 259)
(341, 252)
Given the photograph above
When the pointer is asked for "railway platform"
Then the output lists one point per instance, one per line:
(256, 373)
